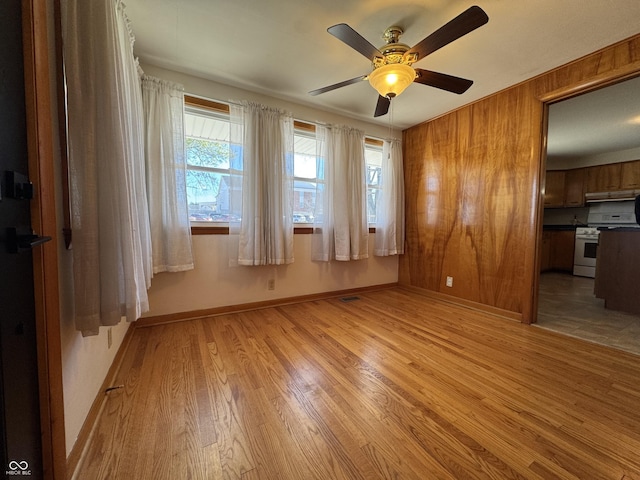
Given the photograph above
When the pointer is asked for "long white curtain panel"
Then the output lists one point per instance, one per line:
(340, 231)
(261, 196)
(166, 170)
(110, 223)
(389, 238)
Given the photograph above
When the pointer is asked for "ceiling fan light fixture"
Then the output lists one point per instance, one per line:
(390, 80)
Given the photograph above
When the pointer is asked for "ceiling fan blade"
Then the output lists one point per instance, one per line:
(442, 81)
(348, 35)
(464, 23)
(337, 85)
(382, 107)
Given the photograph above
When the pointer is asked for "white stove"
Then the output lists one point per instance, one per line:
(585, 253)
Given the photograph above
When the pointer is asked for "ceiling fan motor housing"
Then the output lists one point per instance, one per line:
(392, 72)
(394, 51)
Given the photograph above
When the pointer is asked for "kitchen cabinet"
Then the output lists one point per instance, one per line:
(618, 270)
(574, 187)
(604, 178)
(562, 245)
(630, 175)
(567, 188)
(557, 250)
(545, 260)
(554, 188)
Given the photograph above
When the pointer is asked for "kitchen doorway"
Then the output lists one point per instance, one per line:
(577, 150)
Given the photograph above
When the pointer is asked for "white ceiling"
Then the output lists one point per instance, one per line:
(281, 47)
(603, 121)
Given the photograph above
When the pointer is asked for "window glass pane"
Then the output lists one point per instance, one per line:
(304, 201)
(304, 171)
(373, 161)
(372, 197)
(207, 138)
(373, 155)
(305, 155)
(208, 154)
(304, 166)
(208, 196)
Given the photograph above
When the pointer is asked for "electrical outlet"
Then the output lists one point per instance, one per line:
(109, 338)
(449, 282)
(271, 284)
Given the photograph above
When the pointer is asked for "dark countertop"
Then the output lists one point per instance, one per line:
(561, 227)
(620, 229)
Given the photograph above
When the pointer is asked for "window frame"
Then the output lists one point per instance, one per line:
(308, 129)
(377, 145)
(199, 228)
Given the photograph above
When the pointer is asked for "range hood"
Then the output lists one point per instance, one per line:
(617, 196)
(612, 214)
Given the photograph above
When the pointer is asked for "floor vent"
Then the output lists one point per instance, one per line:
(349, 299)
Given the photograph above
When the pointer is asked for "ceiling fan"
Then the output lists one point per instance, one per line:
(392, 63)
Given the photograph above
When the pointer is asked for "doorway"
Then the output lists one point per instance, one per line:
(19, 394)
(586, 133)
(25, 60)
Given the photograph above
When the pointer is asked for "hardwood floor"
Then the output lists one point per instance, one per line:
(392, 385)
(567, 305)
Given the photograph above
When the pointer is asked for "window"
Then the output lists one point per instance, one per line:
(207, 133)
(305, 180)
(373, 163)
(208, 151)
(304, 173)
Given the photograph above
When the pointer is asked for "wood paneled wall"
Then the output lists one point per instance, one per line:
(472, 179)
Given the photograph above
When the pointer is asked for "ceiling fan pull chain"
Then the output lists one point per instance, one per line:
(390, 118)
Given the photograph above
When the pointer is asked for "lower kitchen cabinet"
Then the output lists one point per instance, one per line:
(545, 261)
(557, 250)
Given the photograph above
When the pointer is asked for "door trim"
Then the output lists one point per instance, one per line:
(43, 217)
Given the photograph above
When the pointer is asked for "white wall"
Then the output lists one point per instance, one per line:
(213, 283)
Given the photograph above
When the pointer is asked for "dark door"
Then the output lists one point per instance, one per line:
(19, 419)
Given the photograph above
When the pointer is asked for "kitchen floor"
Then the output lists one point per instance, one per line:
(567, 305)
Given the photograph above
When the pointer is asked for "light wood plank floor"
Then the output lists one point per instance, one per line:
(390, 386)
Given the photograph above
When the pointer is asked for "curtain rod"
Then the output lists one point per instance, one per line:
(316, 122)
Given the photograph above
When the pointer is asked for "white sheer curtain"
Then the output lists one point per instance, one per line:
(261, 196)
(340, 230)
(110, 224)
(389, 238)
(166, 175)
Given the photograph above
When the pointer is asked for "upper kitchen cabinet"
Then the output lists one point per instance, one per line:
(574, 187)
(554, 189)
(604, 178)
(564, 188)
(630, 175)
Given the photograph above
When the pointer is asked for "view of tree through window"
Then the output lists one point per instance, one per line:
(207, 149)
